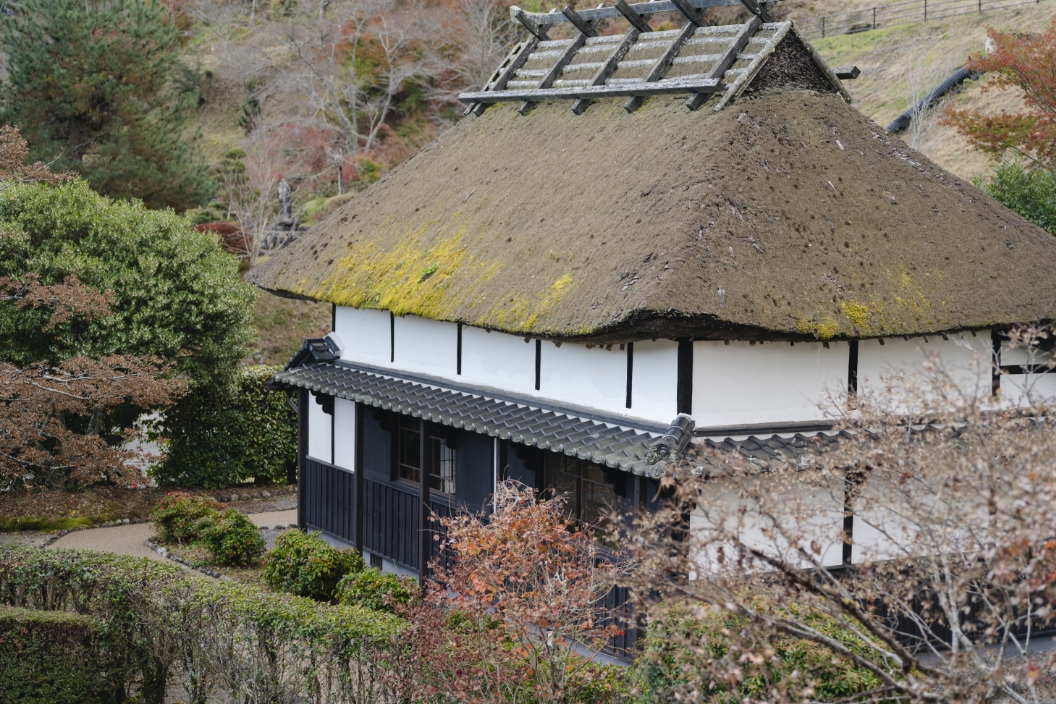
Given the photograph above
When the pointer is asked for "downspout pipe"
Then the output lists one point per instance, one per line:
(956, 79)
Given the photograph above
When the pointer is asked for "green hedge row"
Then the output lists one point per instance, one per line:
(51, 657)
(167, 629)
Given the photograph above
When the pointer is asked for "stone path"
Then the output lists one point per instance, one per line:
(128, 540)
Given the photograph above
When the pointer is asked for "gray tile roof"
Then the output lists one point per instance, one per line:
(621, 445)
(705, 454)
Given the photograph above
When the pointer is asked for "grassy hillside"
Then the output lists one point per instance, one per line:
(902, 63)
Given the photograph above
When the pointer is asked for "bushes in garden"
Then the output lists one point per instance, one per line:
(375, 590)
(222, 435)
(662, 666)
(177, 513)
(230, 537)
(217, 640)
(50, 657)
(304, 564)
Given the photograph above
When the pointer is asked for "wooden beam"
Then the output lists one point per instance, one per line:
(548, 79)
(688, 84)
(424, 534)
(759, 8)
(608, 67)
(529, 22)
(584, 26)
(506, 70)
(646, 9)
(745, 75)
(728, 58)
(689, 12)
(662, 64)
(302, 454)
(639, 22)
(358, 482)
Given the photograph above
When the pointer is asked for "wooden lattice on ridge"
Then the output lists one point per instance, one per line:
(696, 59)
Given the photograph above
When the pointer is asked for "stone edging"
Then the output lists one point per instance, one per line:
(164, 552)
(108, 524)
(179, 560)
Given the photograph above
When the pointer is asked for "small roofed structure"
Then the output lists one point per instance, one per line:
(600, 269)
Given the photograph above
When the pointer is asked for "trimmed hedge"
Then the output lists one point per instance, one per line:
(216, 639)
(50, 657)
(303, 564)
(220, 436)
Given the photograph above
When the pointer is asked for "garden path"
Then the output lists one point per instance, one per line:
(128, 539)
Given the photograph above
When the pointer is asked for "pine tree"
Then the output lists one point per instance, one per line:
(98, 87)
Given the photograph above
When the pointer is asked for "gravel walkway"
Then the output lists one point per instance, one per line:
(128, 540)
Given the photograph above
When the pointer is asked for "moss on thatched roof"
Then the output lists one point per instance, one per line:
(786, 215)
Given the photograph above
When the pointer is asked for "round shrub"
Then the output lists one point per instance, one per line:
(304, 564)
(231, 538)
(375, 590)
(176, 516)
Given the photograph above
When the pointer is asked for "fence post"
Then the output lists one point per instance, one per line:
(925, 10)
(823, 26)
(874, 16)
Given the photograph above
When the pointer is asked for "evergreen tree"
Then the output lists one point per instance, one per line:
(98, 87)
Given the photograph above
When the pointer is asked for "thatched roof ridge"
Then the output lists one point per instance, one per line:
(786, 215)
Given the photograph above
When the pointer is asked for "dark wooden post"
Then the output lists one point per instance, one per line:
(358, 482)
(302, 454)
(424, 533)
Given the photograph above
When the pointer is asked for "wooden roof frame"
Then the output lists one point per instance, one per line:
(754, 41)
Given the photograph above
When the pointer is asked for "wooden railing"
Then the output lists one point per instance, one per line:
(897, 13)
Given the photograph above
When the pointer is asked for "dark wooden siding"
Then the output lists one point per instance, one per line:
(390, 521)
(329, 498)
(474, 474)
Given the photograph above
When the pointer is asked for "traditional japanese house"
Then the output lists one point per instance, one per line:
(631, 243)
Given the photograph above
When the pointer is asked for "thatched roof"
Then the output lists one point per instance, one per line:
(787, 214)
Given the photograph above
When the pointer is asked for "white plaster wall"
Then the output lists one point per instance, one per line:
(318, 431)
(654, 380)
(903, 515)
(426, 346)
(782, 516)
(773, 382)
(498, 360)
(594, 377)
(365, 335)
(345, 434)
(900, 373)
(1026, 389)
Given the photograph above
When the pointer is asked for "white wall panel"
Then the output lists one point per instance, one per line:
(798, 515)
(426, 346)
(902, 371)
(594, 377)
(1028, 389)
(318, 431)
(345, 433)
(498, 360)
(365, 335)
(774, 382)
(654, 381)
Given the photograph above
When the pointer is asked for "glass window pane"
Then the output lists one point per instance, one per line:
(442, 468)
(563, 475)
(409, 450)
